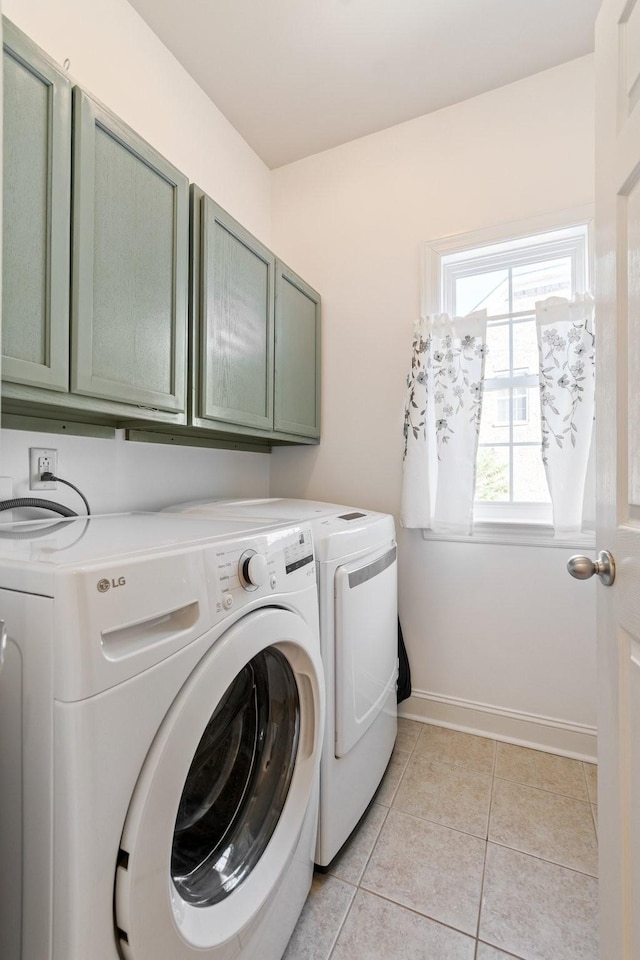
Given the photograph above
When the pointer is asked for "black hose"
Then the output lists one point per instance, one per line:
(37, 502)
(49, 476)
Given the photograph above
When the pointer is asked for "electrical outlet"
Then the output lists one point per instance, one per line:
(42, 460)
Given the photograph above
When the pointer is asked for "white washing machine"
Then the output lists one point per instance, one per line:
(161, 716)
(357, 589)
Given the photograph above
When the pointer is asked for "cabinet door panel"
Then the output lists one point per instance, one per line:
(36, 216)
(129, 303)
(297, 357)
(237, 322)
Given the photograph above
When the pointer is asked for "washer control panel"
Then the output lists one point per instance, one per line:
(298, 551)
(281, 560)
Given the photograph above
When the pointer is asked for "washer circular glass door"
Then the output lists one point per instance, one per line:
(238, 781)
(220, 803)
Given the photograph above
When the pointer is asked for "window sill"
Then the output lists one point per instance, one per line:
(516, 533)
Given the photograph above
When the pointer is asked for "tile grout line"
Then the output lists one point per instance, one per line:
(400, 779)
(553, 863)
(337, 876)
(586, 782)
(438, 823)
(486, 851)
(415, 744)
(535, 786)
(451, 764)
(553, 793)
(375, 844)
(417, 913)
(341, 925)
(592, 804)
(509, 956)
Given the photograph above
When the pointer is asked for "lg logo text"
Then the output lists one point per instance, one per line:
(104, 584)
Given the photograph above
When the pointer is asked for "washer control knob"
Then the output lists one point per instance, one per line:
(228, 601)
(253, 570)
(273, 581)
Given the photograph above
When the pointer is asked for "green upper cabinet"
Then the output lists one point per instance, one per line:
(297, 355)
(112, 271)
(255, 335)
(130, 265)
(236, 296)
(95, 255)
(36, 214)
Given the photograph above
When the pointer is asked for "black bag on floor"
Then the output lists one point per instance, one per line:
(404, 670)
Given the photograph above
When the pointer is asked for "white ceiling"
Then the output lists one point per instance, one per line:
(298, 76)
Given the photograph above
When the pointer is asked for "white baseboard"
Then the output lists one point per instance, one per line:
(575, 740)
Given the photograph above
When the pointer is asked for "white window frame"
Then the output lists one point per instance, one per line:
(506, 522)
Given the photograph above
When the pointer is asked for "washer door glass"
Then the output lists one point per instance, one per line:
(238, 781)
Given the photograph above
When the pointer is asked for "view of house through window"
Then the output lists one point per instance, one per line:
(507, 279)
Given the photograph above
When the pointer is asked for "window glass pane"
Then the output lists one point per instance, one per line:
(520, 405)
(494, 422)
(497, 362)
(529, 481)
(537, 281)
(492, 477)
(525, 348)
(482, 291)
(528, 430)
(503, 403)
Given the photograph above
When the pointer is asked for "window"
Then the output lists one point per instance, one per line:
(505, 272)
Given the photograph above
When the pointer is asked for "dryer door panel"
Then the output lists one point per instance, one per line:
(366, 631)
(221, 800)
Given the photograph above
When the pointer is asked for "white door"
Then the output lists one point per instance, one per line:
(618, 432)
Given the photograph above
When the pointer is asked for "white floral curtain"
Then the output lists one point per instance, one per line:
(442, 422)
(567, 401)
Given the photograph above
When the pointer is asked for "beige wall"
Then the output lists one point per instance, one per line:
(352, 221)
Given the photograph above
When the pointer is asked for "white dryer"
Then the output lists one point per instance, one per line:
(356, 558)
(161, 715)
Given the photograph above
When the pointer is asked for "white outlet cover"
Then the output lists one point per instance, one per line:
(36, 455)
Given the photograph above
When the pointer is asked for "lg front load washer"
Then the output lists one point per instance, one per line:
(357, 589)
(161, 715)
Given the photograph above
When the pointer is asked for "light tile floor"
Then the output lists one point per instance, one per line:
(472, 850)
